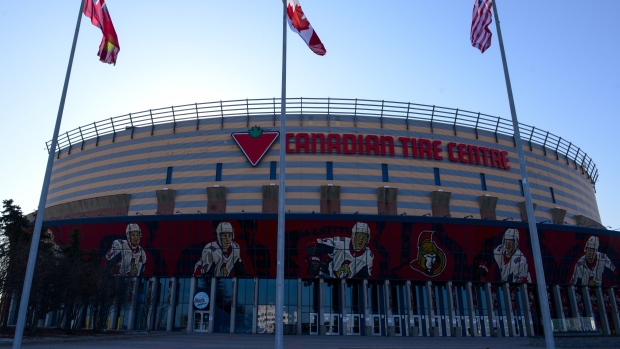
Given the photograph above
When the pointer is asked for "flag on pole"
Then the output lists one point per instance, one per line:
(481, 19)
(99, 16)
(298, 23)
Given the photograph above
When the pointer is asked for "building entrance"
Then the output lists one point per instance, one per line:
(201, 321)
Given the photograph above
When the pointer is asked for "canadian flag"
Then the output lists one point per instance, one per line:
(298, 23)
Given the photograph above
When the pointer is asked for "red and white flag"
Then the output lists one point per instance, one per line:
(298, 23)
(481, 19)
(99, 16)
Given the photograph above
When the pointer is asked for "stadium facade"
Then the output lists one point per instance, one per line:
(401, 220)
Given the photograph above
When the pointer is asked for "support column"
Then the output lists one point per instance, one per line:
(255, 307)
(529, 322)
(557, 302)
(132, 300)
(587, 305)
(172, 293)
(321, 310)
(233, 312)
(455, 325)
(614, 309)
(410, 324)
(490, 314)
(473, 323)
(572, 302)
(151, 303)
(368, 324)
(212, 303)
(343, 308)
(388, 309)
(433, 330)
(190, 311)
(510, 316)
(299, 308)
(601, 311)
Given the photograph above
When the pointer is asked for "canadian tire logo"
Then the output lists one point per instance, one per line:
(255, 143)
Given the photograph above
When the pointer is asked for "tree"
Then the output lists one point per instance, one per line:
(14, 246)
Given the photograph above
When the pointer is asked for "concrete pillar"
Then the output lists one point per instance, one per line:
(233, 313)
(473, 321)
(454, 324)
(343, 308)
(212, 297)
(601, 309)
(572, 302)
(433, 330)
(172, 294)
(255, 307)
(388, 309)
(152, 302)
(614, 309)
(190, 311)
(366, 320)
(491, 315)
(410, 324)
(527, 314)
(557, 303)
(321, 310)
(299, 309)
(587, 305)
(132, 301)
(510, 316)
(112, 318)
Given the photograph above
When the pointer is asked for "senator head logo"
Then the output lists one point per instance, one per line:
(255, 143)
(431, 260)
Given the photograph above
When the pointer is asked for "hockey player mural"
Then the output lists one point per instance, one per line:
(222, 257)
(126, 257)
(342, 257)
(510, 260)
(590, 267)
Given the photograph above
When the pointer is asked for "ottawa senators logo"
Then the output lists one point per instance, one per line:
(431, 259)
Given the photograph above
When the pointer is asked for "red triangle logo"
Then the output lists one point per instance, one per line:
(255, 143)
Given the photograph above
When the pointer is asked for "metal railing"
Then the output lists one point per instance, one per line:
(331, 107)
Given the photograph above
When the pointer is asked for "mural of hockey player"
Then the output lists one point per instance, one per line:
(126, 257)
(510, 260)
(342, 257)
(590, 267)
(431, 259)
(221, 257)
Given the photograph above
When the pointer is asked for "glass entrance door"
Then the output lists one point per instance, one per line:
(398, 331)
(331, 322)
(314, 323)
(353, 324)
(201, 321)
(376, 325)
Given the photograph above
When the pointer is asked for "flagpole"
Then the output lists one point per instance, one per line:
(281, 221)
(36, 234)
(531, 218)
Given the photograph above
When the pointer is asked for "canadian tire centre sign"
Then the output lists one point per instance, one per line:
(256, 142)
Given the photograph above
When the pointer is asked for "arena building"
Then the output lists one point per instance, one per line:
(401, 220)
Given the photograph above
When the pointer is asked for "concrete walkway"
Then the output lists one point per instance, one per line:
(159, 340)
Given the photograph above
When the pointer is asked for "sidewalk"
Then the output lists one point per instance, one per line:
(161, 340)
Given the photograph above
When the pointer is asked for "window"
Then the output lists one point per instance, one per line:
(384, 170)
(437, 179)
(330, 170)
(218, 172)
(169, 175)
(521, 187)
(552, 195)
(483, 182)
(272, 171)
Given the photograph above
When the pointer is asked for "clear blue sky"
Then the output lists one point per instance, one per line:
(563, 58)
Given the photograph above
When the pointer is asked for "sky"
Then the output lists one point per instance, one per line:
(563, 59)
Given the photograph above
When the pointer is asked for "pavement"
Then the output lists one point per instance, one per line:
(160, 340)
